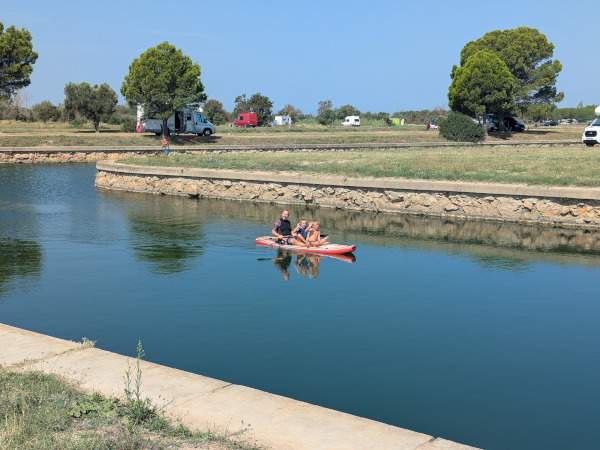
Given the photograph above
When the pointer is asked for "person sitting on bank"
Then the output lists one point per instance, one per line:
(313, 236)
(282, 230)
(165, 145)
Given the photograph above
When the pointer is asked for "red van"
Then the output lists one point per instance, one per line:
(246, 120)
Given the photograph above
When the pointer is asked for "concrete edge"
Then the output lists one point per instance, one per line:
(367, 183)
(201, 402)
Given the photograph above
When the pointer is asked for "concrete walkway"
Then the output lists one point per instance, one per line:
(200, 402)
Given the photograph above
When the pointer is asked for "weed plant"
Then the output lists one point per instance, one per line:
(44, 411)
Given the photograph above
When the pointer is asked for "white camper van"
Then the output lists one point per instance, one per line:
(591, 135)
(184, 121)
(351, 121)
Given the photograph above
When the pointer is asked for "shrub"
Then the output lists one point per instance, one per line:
(128, 126)
(460, 128)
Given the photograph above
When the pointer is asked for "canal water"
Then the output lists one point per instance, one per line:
(478, 332)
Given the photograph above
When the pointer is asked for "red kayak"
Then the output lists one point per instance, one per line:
(329, 249)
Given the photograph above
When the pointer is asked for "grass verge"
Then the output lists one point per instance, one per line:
(46, 412)
(533, 165)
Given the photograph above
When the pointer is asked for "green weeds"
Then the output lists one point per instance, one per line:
(47, 412)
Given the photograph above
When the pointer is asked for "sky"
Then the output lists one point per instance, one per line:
(378, 56)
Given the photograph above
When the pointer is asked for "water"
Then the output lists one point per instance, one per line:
(477, 332)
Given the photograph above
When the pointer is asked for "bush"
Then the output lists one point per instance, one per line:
(460, 128)
(128, 126)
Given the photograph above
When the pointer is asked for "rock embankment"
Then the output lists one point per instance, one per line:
(577, 207)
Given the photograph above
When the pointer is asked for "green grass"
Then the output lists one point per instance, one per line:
(557, 165)
(46, 412)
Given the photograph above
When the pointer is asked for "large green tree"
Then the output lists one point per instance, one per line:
(481, 85)
(258, 104)
(528, 56)
(162, 80)
(45, 111)
(215, 112)
(16, 60)
(91, 102)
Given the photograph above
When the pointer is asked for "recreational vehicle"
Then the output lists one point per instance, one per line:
(184, 121)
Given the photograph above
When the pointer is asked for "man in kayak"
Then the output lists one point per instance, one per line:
(282, 230)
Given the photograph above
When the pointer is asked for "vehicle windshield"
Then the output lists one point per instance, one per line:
(596, 122)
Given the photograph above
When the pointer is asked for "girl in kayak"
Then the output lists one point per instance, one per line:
(313, 236)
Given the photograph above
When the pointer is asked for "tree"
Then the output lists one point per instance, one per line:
(215, 112)
(91, 102)
(347, 110)
(260, 105)
(16, 60)
(241, 105)
(45, 111)
(528, 57)
(295, 113)
(324, 105)
(163, 80)
(325, 114)
(481, 85)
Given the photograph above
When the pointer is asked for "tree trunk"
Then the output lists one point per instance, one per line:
(165, 128)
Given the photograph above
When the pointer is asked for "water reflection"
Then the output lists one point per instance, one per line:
(492, 245)
(305, 264)
(167, 237)
(20, 264)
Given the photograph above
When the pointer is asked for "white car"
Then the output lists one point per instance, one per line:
(591, 135)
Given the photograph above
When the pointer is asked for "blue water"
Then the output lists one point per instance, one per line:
(482, 333)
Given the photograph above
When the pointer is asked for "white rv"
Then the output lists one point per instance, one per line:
(591, 135)
(184, 121)
(351, 121)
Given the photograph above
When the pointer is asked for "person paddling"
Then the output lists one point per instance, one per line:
(282, 230)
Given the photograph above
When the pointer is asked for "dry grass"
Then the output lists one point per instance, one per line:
(21, 134)
(544, 165)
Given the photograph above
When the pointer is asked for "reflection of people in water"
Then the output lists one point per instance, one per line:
(282, 262)
(308, 264)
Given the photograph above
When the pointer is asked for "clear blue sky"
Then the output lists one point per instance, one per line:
(377, 56)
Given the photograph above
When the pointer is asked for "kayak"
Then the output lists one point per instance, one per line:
(329, 249)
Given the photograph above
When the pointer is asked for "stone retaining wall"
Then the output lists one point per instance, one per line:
(73, 156)
(568, 207)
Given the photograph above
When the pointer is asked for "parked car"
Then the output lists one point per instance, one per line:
(549, 123)
(591, 135)
(510, 124)
(246, 120)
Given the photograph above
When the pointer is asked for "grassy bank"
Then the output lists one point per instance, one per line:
(22, 134)
(534, 165)
(46, 412)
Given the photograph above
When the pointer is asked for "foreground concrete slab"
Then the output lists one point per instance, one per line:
(201, 402)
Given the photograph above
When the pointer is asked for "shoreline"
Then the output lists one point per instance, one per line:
(550, 206)
(200, 402)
